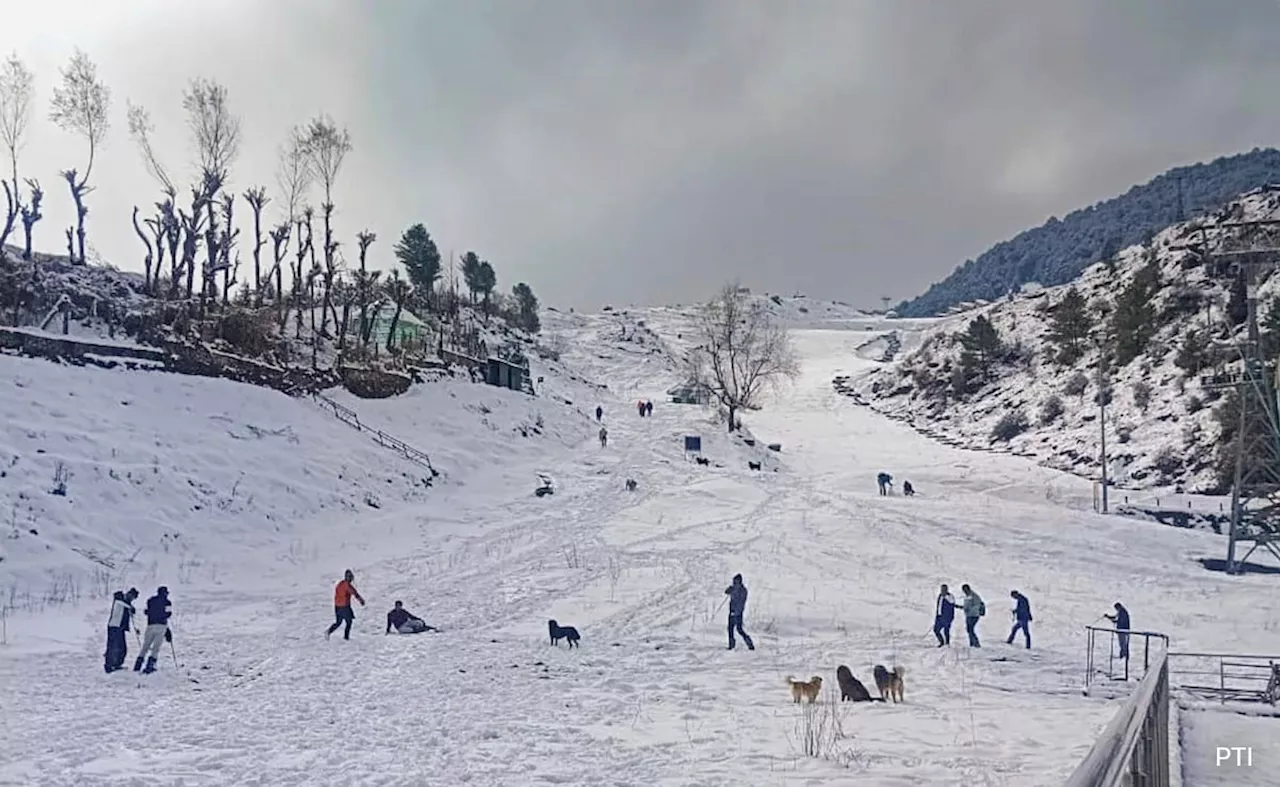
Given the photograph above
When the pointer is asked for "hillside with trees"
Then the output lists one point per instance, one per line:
(1135, 333)
(1059, 250)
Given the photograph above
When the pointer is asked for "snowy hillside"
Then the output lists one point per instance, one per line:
(1163, 427)
(253, 692)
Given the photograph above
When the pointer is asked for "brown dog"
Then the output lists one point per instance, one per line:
(851, 688)
(889, 683)
(800, 688)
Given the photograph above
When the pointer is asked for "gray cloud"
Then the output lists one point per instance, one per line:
(647, 151)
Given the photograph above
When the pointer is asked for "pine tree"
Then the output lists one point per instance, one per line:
(420, 258)
(981, 346)
(486, 282)
(1070, 326)
(526, 308)
(471, 273)
(1133, 322)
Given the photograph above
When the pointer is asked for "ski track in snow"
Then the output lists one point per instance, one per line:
(837, 574)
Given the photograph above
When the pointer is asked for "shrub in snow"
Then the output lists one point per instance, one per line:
(1167, 462)
(1193, 354)
(1194, 404)
(1124, 433)
(1076, 385)
(1141, 395)
(1010, 426)
(1051, 409)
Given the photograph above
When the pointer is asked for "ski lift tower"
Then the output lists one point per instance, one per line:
(1251, 251)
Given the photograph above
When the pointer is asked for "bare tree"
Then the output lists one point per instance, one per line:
(744, 351)
(257, 199)
(398, 290)
(146, 241)
(140, 130)
(279, 248)
(30, 215)
(215, 132)
(327, 147)
(17, 90)
(80, 106)
(294, 177)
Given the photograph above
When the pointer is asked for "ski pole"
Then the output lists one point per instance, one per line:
(717, 612)
(174, 651)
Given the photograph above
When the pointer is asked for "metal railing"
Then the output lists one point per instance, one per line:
(1117, 665)
(1227, 677)
(352, 418)
(1133, 749)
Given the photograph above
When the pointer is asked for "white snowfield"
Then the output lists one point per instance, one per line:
(837, 575)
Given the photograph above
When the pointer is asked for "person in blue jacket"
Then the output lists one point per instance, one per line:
(944, 613)
(737, 593)
(1021, 618)
(158, 612)
(1121, 619)
(119, 621)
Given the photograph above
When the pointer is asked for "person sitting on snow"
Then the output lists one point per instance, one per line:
(405, 622)
(907, 489)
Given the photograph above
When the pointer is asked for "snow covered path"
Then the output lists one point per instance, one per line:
(837, 575)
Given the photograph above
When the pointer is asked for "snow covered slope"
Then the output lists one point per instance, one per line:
(837, 574)
(1162, 430)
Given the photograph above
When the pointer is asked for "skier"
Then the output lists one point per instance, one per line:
(884, 481)
(604, 437)
(1121, 619)
(342, 612)
(974, 608)
(405, 622)
(158, 612)
(737, 593)
(1021, 618)
(907, 489)
(944, 613)
(118, 624)
(599, 412)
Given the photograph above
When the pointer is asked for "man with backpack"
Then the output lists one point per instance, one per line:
(1021, 618)
(119, 622)
(158, 612)
(974, 608)
(342, 612)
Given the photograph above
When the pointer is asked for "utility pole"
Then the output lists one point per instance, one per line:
(1104, 398)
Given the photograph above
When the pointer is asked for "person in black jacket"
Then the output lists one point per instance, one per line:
(118, 624)
(1021, 618)
(158, 612)
(405, 622)
(737, 593)
(1121, 619)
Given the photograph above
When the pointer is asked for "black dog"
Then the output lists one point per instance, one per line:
(753, 465)
(559, 632)
(702, 460)
(631, 485)
(851, 688)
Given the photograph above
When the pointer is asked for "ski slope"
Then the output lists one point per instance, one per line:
(837, 574)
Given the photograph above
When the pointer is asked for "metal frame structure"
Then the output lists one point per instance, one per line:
(1250, 250)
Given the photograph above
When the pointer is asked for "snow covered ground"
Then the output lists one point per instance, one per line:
(838, 575)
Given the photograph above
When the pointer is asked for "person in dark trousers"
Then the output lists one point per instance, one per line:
(342, 612)
(599, 412)
(907, 489)
(1021, 618)
(648, 408)
(737, 593)
(1121, 619)
(158, 611)
(405, 622)
(604, 437)
(944, 613)
(974, 609)
(884, 481)
(119, 621)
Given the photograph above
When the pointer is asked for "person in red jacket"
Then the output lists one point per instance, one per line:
(342, 596)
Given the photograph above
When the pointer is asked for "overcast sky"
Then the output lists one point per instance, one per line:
(646, 151)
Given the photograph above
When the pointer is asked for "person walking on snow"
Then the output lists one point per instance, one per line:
(884, 481)
(944, 613)
(405, 622)
(1021, 618)
(737, 593)
(648, 408)
(158, 611)
(599, 412)
(342, 612)
(1121, 619)
(974, 608)
(118, 624)
(604, 437)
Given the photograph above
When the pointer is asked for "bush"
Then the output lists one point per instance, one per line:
(1124, 433)
(1051, 409)
(1141, 395)
(1167, 462)
(248, 332)
(1076, 385)
(1194, 404)
(1010, 426)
